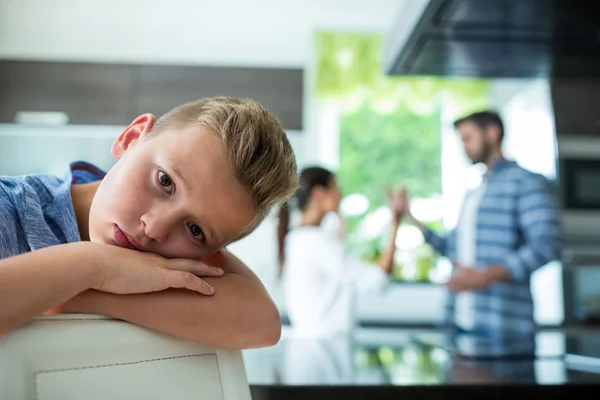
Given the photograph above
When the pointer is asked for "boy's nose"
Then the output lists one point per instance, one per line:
(157, 226)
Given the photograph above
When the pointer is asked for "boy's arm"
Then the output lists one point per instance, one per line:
(32, 283)
(239, 315)
(38, 281)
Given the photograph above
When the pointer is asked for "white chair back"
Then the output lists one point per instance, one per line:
(73, 356)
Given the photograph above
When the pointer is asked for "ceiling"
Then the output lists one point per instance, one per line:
(274, 33)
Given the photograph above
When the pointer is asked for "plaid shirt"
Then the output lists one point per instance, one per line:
(518, 227)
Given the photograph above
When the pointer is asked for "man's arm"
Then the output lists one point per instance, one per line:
(240, 314)
(540, 224)
(437, 241)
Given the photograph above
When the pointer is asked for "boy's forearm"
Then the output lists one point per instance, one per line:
(34, 282)
(239, 315)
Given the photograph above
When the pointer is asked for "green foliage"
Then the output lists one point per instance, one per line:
(350, 72)
(346, 62)
(378, 150)
(389, 125)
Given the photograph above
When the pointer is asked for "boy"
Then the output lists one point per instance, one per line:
(202, 176)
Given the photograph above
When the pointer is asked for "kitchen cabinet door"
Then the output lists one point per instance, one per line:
(575, 104)
(93, 94)
(163, 87)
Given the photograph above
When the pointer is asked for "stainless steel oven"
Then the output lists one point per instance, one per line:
(579, 183)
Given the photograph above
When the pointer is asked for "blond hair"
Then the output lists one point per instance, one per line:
(257, 147)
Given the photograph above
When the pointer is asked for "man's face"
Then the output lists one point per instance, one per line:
(173, 195)
(477, 143)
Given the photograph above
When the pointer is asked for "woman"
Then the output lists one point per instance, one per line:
(320, 277)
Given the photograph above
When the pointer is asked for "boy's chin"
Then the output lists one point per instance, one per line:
(101, 240)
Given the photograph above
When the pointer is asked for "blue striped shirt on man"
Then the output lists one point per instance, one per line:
(517, 227)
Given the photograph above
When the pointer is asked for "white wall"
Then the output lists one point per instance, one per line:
(526, 106)
(30, 149)
(227, 32)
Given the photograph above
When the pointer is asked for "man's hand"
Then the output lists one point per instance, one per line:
(467, 279)
(471, 279)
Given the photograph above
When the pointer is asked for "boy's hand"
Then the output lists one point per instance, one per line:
(127, 271)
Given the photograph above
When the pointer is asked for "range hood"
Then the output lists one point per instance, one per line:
(495, 39)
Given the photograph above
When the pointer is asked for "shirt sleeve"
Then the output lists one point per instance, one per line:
(9, 223)
(540, 223)
(437, 241)
(369, 278)
(347, 267)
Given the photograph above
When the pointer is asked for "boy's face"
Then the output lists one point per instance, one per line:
(173, 194)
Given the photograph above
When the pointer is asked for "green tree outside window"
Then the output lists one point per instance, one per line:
(389, 125)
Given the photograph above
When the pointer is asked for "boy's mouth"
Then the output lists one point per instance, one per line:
(122, 239)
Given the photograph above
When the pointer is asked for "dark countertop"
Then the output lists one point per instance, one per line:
(382, 363)
(500, 392)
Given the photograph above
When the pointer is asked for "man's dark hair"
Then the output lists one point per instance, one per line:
(483, 119)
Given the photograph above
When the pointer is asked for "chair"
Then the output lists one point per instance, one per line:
(74, 356)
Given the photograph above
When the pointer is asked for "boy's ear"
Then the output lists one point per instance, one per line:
(139, 128)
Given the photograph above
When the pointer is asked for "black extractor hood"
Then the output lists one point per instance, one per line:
(495, 39)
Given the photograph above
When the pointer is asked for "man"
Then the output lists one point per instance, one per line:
(508, 227)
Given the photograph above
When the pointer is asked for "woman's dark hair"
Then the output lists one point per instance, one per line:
(309, 179)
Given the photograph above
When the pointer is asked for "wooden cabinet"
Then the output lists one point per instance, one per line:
(279, 90)
(575, 104)
(114, 94)
(98, 94)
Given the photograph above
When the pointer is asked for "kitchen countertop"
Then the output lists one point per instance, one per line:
(389, 362)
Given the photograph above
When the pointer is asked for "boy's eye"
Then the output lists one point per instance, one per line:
(196, 231)
(165, 181)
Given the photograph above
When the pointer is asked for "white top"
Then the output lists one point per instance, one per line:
(464, 306)
(321, 280)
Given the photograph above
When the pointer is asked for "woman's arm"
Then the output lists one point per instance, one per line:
(386, 260)
(397, 205)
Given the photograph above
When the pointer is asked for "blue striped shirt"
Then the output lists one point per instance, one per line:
(518, 227)
(36, 211)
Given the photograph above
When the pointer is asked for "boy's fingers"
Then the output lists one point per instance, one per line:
(195, 267)
(186, 280)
